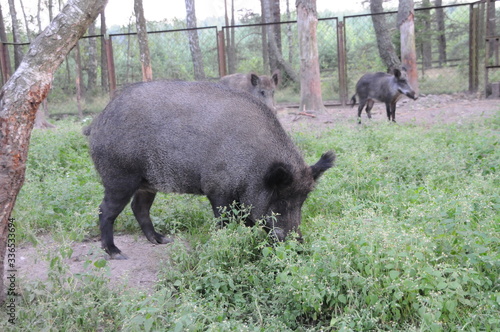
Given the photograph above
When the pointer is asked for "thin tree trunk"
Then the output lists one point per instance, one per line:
(310, 80)
(104, 57)
(406, 15)
(16, 34)
(441, 32)
(194, 43)
(92, 61)
(142, 35)
(265, 47)
(20, 98)
(28, 33)
(385, 47)
(426, 36)
(4, 51)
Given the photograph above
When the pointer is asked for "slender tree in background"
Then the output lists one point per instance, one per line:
(91, 67)
(491, 25)
(406, 15)
(230, 47)
(104, 57)
(385, 47)
(4, 51)
(440, 28)
(426, 35)
(142, 35)
(16, 34)
(274, 48)
(194, 43)
(310, 80)
(21, 96)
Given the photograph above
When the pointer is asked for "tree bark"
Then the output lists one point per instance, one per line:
(310, 80)
(21, 96)
(406, 26)
(142, 35)
(441, 39)
(385, 47)
(16, 34)
(194, 43)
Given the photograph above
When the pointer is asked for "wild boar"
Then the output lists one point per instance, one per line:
(262, 86)
(197, 138)
(387, 88)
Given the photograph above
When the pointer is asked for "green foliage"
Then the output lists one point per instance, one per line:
(402, 234)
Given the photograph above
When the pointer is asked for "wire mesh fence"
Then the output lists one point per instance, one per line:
(443, 56)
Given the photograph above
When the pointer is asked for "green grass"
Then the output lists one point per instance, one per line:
(402, 235)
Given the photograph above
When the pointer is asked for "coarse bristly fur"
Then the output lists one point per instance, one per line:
(197, 138)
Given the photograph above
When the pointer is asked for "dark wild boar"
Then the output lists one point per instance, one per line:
(383, 87)
(262, 87)
(197, 138)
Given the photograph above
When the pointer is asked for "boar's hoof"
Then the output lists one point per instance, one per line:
(157, 238)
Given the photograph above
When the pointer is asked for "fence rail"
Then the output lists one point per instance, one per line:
(347, 49)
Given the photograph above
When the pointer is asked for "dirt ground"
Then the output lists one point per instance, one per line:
(139, 271)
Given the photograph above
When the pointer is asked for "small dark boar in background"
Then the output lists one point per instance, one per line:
(262, 87)
(383, 87)
(197, 138)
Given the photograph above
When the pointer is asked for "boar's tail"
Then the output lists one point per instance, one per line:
(86, 130)
(353, 100)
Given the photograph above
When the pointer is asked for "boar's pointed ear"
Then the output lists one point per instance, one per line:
(278, 176)
(397, 73)
(254, 79)
(325, 162)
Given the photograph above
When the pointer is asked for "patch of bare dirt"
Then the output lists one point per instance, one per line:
(139, 271)
(144, 261)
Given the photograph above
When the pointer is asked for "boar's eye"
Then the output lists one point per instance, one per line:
(263, 93)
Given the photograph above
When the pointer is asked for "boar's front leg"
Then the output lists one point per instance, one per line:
(141, 204)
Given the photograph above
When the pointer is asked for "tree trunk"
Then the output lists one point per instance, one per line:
(426, 35)
(16, 34)
(441, 39)
(142, 35)
(92, 62)
(310, 81)
(194, 43)
(104, 57)
(20, 98)
(406, 26)
(4, 51)
(230, 50)
(28, 33)
(265, 46)
(491, 25)
(385, 47)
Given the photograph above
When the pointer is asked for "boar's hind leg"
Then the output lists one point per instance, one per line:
(369, 106)
(113, 203)
(141, 204)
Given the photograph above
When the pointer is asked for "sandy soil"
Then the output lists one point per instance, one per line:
(145, 259)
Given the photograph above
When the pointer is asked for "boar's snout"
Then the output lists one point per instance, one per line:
(279, 235)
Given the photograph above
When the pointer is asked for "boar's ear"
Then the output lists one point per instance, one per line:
(278, 176)
(397, 73)
(325, 162)
(254, 79)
